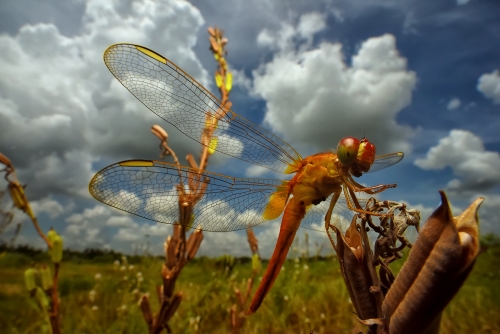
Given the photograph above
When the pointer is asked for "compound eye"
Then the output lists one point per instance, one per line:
(347, 150)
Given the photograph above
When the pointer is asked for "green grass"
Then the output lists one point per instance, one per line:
(300, 301)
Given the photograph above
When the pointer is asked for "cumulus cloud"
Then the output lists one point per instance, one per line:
(314, 97)
(59, 105)
(50, 206)
(476, 168)
(489, 85)
(453, 104)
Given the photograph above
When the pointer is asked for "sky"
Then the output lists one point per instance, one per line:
(421, 77)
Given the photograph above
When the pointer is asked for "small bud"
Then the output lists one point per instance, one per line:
(213, 44)
(218, 79)
(29, 278)
(4, 160)
(19, 198)
(256, 264)
(57, 249)
(50, 236)
(159, 132)
(193, 243)
(42, 298)
(46, 278)
(229, 81)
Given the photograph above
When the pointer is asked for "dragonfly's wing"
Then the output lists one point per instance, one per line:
(384, 161)
(341, 217)
(148, 189)
(180, 100)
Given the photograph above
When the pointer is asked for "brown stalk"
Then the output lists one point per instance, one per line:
(21, 202)
(178, 249)
(218, 48)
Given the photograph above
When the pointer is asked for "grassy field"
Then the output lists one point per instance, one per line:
(308, 295)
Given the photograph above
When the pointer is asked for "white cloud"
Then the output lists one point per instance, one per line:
(256, 171)
(310, 24)
(58, 110)
(241, 80)
(314, 97)
(453, 104)
(123, 221)
(489, 85)
(52, 207)
(476, 168)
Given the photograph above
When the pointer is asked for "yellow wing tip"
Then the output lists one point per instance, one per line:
(151, 54)
(144, 50)
(136, 163)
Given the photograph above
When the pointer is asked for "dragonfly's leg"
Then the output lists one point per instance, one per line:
(328, 216)
(368, 190)
(349, 194)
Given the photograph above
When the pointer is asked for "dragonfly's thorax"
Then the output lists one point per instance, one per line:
(317, 178)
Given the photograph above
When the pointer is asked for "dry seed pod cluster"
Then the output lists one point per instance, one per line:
(438, 264)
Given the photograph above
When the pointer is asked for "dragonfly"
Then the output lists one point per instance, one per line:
(322, 187)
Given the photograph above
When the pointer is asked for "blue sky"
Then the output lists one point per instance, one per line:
(418, 77)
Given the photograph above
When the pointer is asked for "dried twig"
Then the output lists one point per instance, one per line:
(20, 201)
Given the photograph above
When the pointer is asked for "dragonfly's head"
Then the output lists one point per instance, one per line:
(356, 154)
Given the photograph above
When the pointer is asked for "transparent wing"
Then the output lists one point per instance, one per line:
(180, 100)
(148, 189)
(384, 161)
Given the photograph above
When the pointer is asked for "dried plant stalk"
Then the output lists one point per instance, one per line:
(16, 191)
(352, 258)
(439, 263)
